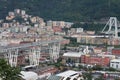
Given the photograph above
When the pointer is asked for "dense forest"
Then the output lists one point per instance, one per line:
(68, 10)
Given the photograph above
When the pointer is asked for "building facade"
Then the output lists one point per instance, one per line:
(115, 63)
(95, 60)
(116, 51)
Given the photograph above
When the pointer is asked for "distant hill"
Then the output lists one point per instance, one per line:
(68, 10)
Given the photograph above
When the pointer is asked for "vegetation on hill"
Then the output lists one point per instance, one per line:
(92, 27)
(68, 10)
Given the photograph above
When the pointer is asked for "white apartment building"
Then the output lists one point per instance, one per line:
(115, 63)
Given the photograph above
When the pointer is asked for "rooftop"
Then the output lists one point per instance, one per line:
(72, 54)
(115, 60)
(67, 73)
(29, 75)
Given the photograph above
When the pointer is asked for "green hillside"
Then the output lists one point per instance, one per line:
(68, 10)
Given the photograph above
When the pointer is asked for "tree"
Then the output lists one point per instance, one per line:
(7, 72)
(87, 76)
(97, 67)
(111, 69)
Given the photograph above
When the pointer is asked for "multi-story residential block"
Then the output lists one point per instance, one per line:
(61, 24)
(17, 11)
(11, 14)
(5, 25)
(115, 63)
(33, 19)
(23, 12)
(95, 60)
(79, 30)
(90, 38)
(49, 23)
(68, 24)
(98, 50)
(116, 51)
(57, 29)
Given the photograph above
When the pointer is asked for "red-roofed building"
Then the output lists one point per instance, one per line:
(116, 52)
(95, 60)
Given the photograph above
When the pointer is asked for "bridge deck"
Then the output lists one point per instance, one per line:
(22, 46)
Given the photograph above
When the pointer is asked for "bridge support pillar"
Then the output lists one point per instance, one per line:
(54, 49)
(12, 57)
(34, 55)
(111, 27)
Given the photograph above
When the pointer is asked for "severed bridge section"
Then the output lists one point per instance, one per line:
(32, 49)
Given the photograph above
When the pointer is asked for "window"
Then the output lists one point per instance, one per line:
(116, 66)
(112, 65)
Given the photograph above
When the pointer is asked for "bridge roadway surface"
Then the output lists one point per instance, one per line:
(26, 45)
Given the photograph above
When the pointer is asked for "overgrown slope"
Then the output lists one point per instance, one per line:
(68, 10)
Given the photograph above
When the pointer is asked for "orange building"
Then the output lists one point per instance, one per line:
(95, 60)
